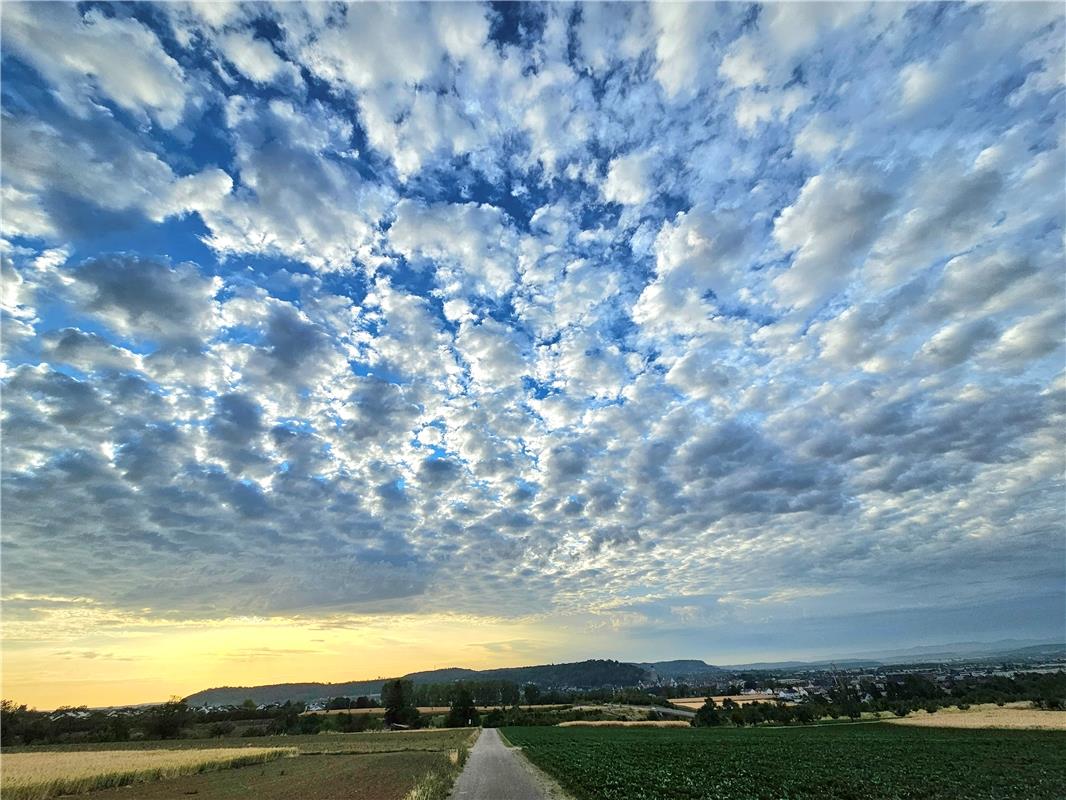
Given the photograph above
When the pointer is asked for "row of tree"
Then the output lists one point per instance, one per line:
(902, 696)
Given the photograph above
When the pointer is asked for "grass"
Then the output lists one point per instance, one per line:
(437, 785)
(34, 776)
(373, 776)
(622, 723)
(409, 765)
(373, 742)
(868, 761)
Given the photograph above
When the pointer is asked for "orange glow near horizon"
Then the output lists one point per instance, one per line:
(151, 662)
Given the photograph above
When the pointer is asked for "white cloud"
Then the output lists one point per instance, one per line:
(471, 246)
(46, 166)
(494, 352)
(92, 55)
(254, 58)
(830, 226)
(681, 45)
(629, 179)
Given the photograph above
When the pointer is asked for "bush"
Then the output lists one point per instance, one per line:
(220, 729)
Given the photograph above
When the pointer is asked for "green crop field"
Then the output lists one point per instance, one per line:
(847, 762)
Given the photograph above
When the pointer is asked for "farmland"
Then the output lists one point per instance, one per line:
(875, 761)
(989, 715)
(359, 766)
(32, 776)
(692, 703)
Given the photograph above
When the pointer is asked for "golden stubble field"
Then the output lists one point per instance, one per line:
(1013, 716)
(34, 776)
(693, 703)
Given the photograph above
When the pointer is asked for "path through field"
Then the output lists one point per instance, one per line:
(495, 772)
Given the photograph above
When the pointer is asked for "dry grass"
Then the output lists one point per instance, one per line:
(740, 699)
(437, 785)
(986, 716)
(34, 776)
(611, 723)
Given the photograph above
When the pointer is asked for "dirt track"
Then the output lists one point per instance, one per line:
(495, 772)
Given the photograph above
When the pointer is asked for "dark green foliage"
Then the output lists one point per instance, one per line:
(463, 712)
(166, 721)
(220, 729)
(398, 698)
(831, 762)
(708, 715)
(499, 718)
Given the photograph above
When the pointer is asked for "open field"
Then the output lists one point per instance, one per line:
(620, 723)
(334, 766)
(693, 703)
(380, 776)
(871, 761)
(986, 716)
(375, 742)
(426, 710)
(31, 776)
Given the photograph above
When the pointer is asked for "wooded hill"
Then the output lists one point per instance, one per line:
(591, 674)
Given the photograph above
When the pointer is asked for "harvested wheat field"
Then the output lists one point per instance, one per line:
(740, 699)
(34, 776)
(608, 723)
(986, 716)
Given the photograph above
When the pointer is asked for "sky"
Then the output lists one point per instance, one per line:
(348, 341)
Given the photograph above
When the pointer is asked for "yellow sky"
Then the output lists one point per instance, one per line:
(81, 655)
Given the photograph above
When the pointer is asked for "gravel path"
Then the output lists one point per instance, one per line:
(497, 772)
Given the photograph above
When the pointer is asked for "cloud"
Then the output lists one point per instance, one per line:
(473, 246)
(86, 56)
(254, 58)
(148, 300)
(636, 321)
(628, 179)
(54, 172)
(829, 227)
(292, 199)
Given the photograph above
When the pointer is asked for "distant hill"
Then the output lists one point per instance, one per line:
(772, 666)
(1002, 650)
(682, 669)
(592, 674)
(280, 692)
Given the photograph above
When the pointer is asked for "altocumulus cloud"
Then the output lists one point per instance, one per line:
(659, 318)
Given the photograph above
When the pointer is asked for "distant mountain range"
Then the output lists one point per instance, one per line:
(591, 674)
(1002, 650)
(598, 674)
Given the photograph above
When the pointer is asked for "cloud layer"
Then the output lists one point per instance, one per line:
(659, 319)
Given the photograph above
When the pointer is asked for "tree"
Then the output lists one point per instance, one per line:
(463, 712)
(707, 715)
(397, 697)
(165, 721)
(532, 693)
